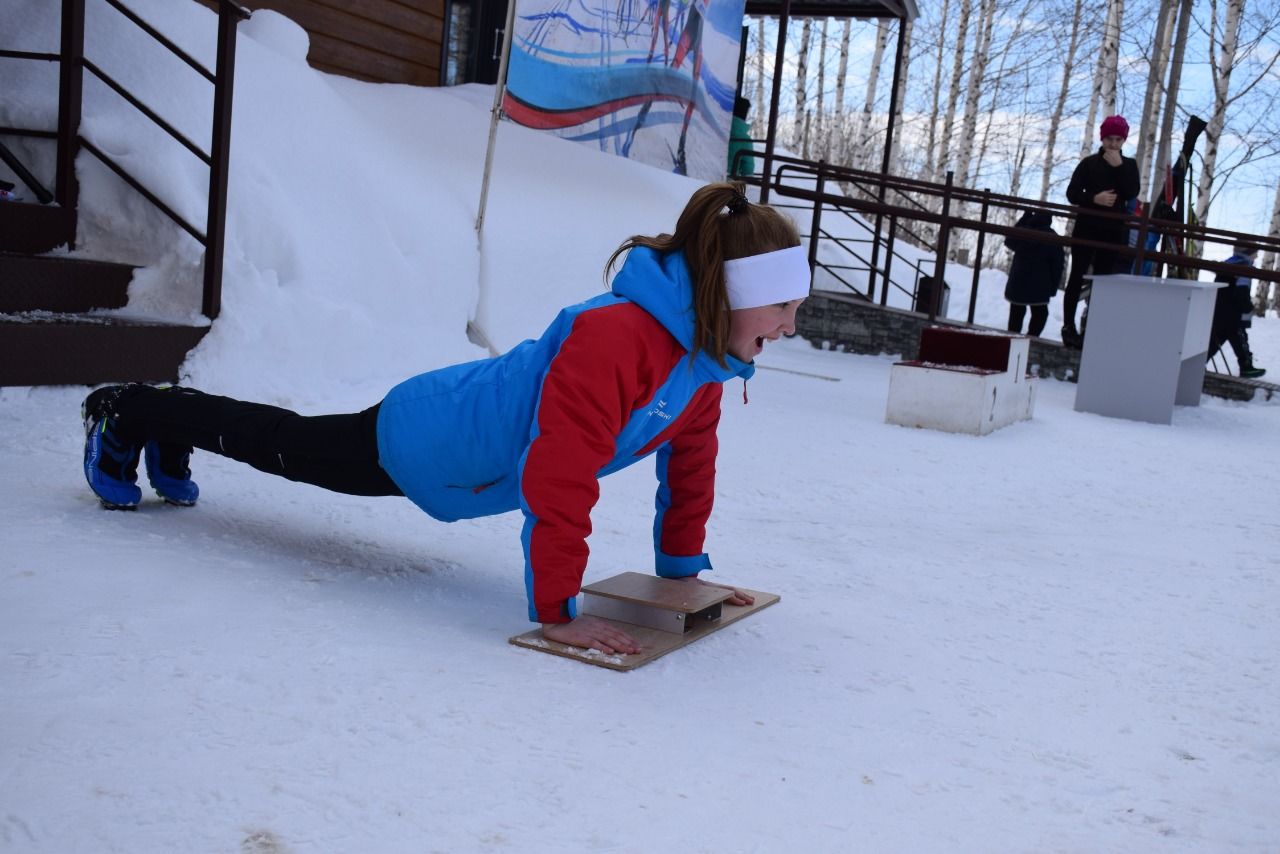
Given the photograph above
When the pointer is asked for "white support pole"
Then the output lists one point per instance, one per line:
(499, 92)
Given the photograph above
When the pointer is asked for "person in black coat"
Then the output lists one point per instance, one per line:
(1233, 314)
(1035, 274)
(1104, 181)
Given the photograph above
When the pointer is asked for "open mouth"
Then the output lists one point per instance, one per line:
(760, 343)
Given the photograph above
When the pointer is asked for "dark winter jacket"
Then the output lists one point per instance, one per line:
(1094, 175)
(1037, 267)
(610, 382)
(1236, 299)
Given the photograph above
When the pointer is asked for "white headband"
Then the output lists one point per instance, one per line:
(766, 279)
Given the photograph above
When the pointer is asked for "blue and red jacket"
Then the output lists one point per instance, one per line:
(609, 382)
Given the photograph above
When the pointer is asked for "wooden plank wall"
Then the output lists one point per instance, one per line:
(385, 41)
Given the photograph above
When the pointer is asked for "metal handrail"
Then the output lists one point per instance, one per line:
(953, 214)
(73, 63)
(146, 111)
(872, 264)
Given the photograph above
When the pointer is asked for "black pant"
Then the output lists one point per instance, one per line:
(1227, 328)
(1103, 262)
(337, 452)
(1039, 317)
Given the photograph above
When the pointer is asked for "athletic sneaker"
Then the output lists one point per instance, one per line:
(110, 464)
(169, 471)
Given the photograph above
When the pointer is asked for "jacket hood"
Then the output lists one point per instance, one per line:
(660, 284)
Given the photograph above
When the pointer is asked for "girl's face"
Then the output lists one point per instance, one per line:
(1112, 143)
(749, 328)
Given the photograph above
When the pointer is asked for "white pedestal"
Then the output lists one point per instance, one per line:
(950, 395)
(1145, 346)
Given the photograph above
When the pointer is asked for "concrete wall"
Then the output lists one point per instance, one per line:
(839, 322)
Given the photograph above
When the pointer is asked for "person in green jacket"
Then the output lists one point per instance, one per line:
(740, 140)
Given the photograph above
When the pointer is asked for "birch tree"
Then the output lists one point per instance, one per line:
(1055, 118)
(1163, 144)
(895, 150)
(1103, 93)
(1266, 294)
(1109, 58)
(760, 115)
(802, 71)
(1155, 89)
(937, 87)
(977, 74)
(1222, 58)
(862, 133)
(953, 95)
(842, 72)
(821, 146)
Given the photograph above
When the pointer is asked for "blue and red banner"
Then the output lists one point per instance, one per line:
(652, 80)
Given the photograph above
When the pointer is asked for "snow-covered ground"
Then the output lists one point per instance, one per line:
(1058, 637)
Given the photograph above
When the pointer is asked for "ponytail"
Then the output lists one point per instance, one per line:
(717, 224)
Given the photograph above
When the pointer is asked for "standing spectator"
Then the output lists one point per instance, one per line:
(1035, 274)
(1104, 181)
(740, 140)
(1233, 314)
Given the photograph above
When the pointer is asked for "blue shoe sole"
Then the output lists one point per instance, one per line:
(179, 493)
(114, 494)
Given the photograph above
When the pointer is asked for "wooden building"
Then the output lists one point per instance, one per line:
(420, 42)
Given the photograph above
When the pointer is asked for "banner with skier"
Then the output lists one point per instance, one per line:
(653, 81)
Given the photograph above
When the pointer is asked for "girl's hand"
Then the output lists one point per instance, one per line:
(591, 633)
(738, 597)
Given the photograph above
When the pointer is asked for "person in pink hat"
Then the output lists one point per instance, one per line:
(1103, 181)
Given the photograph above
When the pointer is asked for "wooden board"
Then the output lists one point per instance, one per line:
(658, 592)
(653, 642)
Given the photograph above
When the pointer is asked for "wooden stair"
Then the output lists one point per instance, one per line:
(52, 331)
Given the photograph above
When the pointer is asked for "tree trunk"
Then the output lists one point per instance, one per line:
(1155, 88)
(841, 73)
(895, 150)
(999, 80)
(977, 73)
(1221, 64)
(957, 71)
(1165, 142)
(1110, 57)
(937, 87)
(1268, 294)
(1055, 120)
(1087, 144)
(820, 137)
(799, 141)
(862, 135)
(759, 113)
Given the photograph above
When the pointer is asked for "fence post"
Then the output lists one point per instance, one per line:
(944, 238)
(814, 228)
(775, 96)
(977, 261)
(219, 156)
(875, 241)
(888, 256)
(70, 88)
(1143, 229)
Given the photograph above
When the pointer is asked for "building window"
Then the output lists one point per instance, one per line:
(457, 55)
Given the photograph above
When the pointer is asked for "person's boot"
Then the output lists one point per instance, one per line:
(1071, 337)
(1249, 372)
(110, 460)
(169, 472)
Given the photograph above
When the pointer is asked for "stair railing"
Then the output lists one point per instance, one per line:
(72, 65)
(950, 210)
